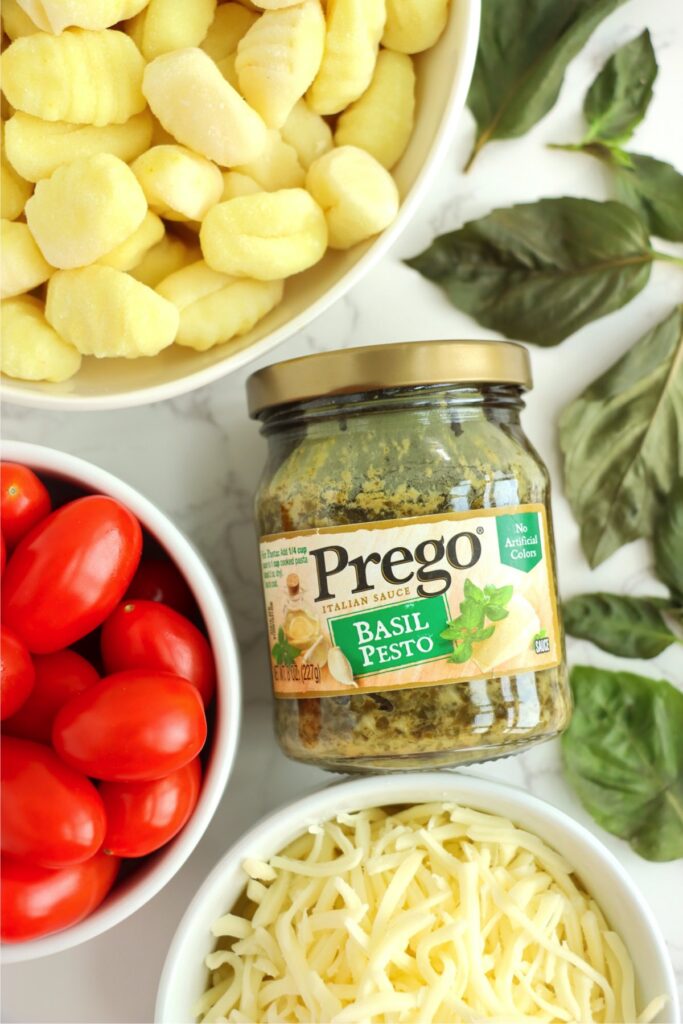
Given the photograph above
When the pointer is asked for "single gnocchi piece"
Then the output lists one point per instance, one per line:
(276, 167)
(166, 25)
(37, 148)
(14, 190)
(381, 121)
(80, 76)
(267, 236)
(358, 196)
(22, 266)
(213, 307)
(354, 29)
(164, 258)
(414, 25)
(236, 184)
(279, 57)
(15, 20)
(31, 349)
(85, 210)
(229, 24)
(307, 132)
(104, 312)
(195, 103)
(178, 184)
(56, 15)
(129, 253)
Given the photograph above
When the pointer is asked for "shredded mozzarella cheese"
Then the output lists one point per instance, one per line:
(433, 913)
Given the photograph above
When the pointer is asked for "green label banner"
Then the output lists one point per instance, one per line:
(394, 636)
(519, 540)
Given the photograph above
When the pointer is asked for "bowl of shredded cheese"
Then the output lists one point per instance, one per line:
(432, 897)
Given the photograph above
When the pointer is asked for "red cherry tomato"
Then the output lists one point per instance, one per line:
(36, 901)
(51, 815)
(142, 816)
(72, 570)
(144, 634)
(159, 580)
(59, 677)
(24, 501)
(132, 726)
(17, 674)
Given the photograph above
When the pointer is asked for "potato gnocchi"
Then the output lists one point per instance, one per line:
(31, 349)
(381, 121)
(358, 196)
(278, 58)
(166, 166)
(218, 123)
(269, 235)
(178, 184)
(354, 29)
(215, 308)
(80, 76)
(104, 312)
(85, 209)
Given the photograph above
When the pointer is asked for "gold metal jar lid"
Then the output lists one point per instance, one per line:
(378, 367)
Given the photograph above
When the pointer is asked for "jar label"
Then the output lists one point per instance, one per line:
(410, 602)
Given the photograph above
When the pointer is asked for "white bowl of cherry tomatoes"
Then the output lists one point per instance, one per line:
(120, 700)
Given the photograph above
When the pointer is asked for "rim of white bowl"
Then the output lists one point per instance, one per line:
(289, 820)
(454, 105)
(228, 709)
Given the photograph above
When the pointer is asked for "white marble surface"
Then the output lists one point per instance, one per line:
(199, 458)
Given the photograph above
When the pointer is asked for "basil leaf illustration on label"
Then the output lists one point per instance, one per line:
(540, 271)
(624, 757)
(654, 189)
(668, 542)
(631, 627)
(283, 652)
(524, 49)
(619, 97)
(621, 442)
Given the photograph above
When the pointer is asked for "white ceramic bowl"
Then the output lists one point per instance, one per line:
(137, 889)
(444, 74)
(183, 979)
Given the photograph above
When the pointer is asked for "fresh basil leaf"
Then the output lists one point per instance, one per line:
(496, 612)
(654, 189)
(524, 49)
(621, 442)
(619, 97)
(631, 627)
(624, 757)
(540, 271)
(473, 592)
(668, 542)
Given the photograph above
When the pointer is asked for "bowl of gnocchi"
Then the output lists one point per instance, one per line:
(186, 186)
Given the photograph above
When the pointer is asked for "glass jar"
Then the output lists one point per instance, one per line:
(404, 505)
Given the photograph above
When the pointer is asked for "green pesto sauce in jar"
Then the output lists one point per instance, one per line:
(413, 457)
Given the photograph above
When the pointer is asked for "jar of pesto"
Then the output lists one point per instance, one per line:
(407, 557)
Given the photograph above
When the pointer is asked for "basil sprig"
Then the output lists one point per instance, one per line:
(524, 49)
(615, 104)
(470, 626)
(624, 757)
